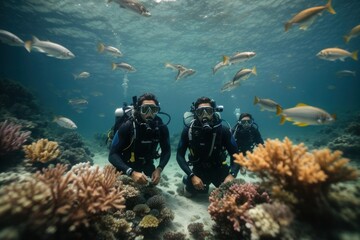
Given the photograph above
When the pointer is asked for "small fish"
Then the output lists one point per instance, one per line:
(78, 102)
(123, 66)
(10, 39)
(109, 49)
(266, 104)
(134, 6)
(333, 54)
(218, 66)
(49, 48)
(81, 75)
(65, 122)
(306, 17)
(345, 73)
(183, 72)
(229, 86)
(238, 57)
(304, 115)
(244, 74)
(353, 33)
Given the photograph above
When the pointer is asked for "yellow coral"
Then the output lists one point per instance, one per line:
(41, 151)
(149, 221)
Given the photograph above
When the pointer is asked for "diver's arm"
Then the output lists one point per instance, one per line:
(120, 141)
(259, 139)
(165, 147)
(231, 147)
(181, 151)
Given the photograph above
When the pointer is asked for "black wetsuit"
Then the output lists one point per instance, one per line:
(247, 138)
(140, 153)
(209, 165)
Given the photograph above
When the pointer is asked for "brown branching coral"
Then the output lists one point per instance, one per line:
(41, 151)
(291, 170)
(61, 202)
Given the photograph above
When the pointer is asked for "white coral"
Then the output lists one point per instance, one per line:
(263, 224)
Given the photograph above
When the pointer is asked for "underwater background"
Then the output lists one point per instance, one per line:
(193, 33)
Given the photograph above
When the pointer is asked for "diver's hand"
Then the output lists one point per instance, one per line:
(139, 177)
(229, 178)
(155, 178)
(197, 182)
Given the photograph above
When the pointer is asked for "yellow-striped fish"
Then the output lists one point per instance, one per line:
(353, 33)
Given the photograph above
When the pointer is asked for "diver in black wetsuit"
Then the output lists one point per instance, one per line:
(246, 133)
(134, 146)
(207, 140)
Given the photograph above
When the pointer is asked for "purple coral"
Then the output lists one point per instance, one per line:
(11, 137)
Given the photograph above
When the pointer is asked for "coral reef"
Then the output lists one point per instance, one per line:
(58, 202)
(11, 137)
(174, 236)
(149, 221)
(41, 151)
(229, 204)
(294, 173)
(348, 144)
(197, 231)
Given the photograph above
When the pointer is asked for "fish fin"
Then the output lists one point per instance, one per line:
(282, 120)
(304, 27)
(346, 38)
(300, 124)
(278, 110)
(75, 77)
(101, 47)
(301, 105)
(28, 45)
(333, 116)
(287, 26)
(169, 65)
(254, 71)
(226, 60)
(341, 59)
(113, 66)
(35, 39)
(256, 100)
(330, 8)
(354, 55)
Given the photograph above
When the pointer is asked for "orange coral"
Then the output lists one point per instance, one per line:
(293, 168)
(41, 151)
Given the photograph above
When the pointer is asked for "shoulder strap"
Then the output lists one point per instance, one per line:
(133, 137)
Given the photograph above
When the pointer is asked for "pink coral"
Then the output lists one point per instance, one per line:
(11, 137)
(228, 204)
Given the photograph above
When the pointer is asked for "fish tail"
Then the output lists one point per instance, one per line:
(287, 26)
(256, 100)
(330, 8)
(354, 55)
(282, 120)
(101, 47)
(28, 45)
(333, 116)
(75, 76)
(113, 66)
(278, 110)
(254, 70)
(226, 60)
(346, 38)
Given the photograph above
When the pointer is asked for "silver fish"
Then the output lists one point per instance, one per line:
(229, 86)
(183, 72)
(81, 75)
(346, 73)
(123, 66)
(109, 49)
(65, 122)
(304, 115)
(218, 66)
(238, 57)
(266, 104)
(333, 54)
(244, 74)
(134, 6)
(10, 39)
(49, 48)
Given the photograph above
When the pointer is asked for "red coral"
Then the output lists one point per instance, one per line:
(11, 137)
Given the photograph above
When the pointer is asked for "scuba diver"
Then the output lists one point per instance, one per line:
(135, 143)
(207, 140)
(246, 133)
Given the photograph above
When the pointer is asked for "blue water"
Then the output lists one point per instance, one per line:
(195, 34)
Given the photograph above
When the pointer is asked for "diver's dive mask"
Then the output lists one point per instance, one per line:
(246, 123)
(205, 114)
(149, 109)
